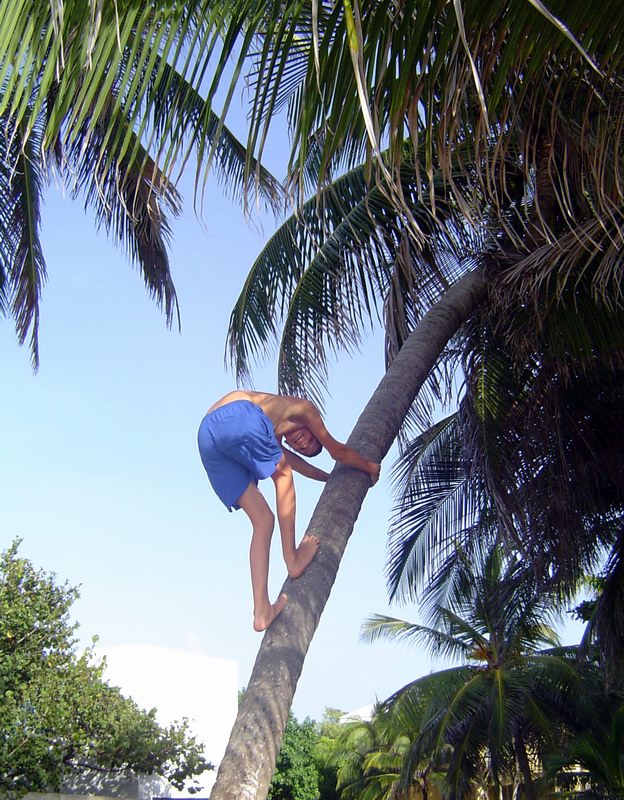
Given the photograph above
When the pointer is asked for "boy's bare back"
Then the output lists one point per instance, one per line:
(286, 413)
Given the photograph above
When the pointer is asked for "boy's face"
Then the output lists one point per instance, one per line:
(303, 441)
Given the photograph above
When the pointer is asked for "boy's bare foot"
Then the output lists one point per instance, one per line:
(263, 620)
(303, 555)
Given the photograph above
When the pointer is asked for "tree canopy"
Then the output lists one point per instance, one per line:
(296, 775)
(58, 716)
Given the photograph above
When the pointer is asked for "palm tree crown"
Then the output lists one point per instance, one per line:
(513, 688)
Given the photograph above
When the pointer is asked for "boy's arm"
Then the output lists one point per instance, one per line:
(303, 467)
(344, 454)
(338, 451)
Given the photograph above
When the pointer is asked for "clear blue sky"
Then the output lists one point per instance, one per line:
(102, 480)
(101, 477)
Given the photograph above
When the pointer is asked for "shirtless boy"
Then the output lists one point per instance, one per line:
(240, 443)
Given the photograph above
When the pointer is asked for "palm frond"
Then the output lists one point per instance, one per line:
(179, 112)
(325, 275)
(437, 508)
(97, 94)
(144, 64)
(303, 260)
(440, 643)
(132, 205)
(536, 413)
(23, 267)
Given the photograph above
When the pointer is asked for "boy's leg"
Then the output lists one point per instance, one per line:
(255, 506)
(296, 558)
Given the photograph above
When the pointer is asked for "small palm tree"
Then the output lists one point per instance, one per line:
(372, 758)
(500, 710)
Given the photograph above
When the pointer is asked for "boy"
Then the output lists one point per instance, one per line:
(240, 443)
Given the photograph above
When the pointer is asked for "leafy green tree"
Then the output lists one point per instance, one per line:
(329, 729)
(57, 714)
(296, 774)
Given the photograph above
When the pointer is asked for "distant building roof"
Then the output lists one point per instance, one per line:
(363, 714)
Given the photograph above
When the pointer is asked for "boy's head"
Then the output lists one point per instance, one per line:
(303, 441)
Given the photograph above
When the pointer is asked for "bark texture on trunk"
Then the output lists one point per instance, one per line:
(525, 769)
(247, 766)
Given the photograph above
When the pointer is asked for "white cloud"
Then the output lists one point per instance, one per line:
(180, 684)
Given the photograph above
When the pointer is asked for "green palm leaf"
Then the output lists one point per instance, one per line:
(133, 207)
(532, 420)
(177, 109)
(144, 64)
(330, 270)
(95, 93)
(440, 643)
(23, 268)
(438, 508)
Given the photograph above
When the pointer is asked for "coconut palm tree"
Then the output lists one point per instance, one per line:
(513, 90)
(512, 460)
(502, 709)
(345, 260)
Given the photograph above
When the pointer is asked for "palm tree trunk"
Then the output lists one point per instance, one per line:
(249, 761)
(525, 769)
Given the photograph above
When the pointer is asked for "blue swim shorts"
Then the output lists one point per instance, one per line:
(237, 445)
